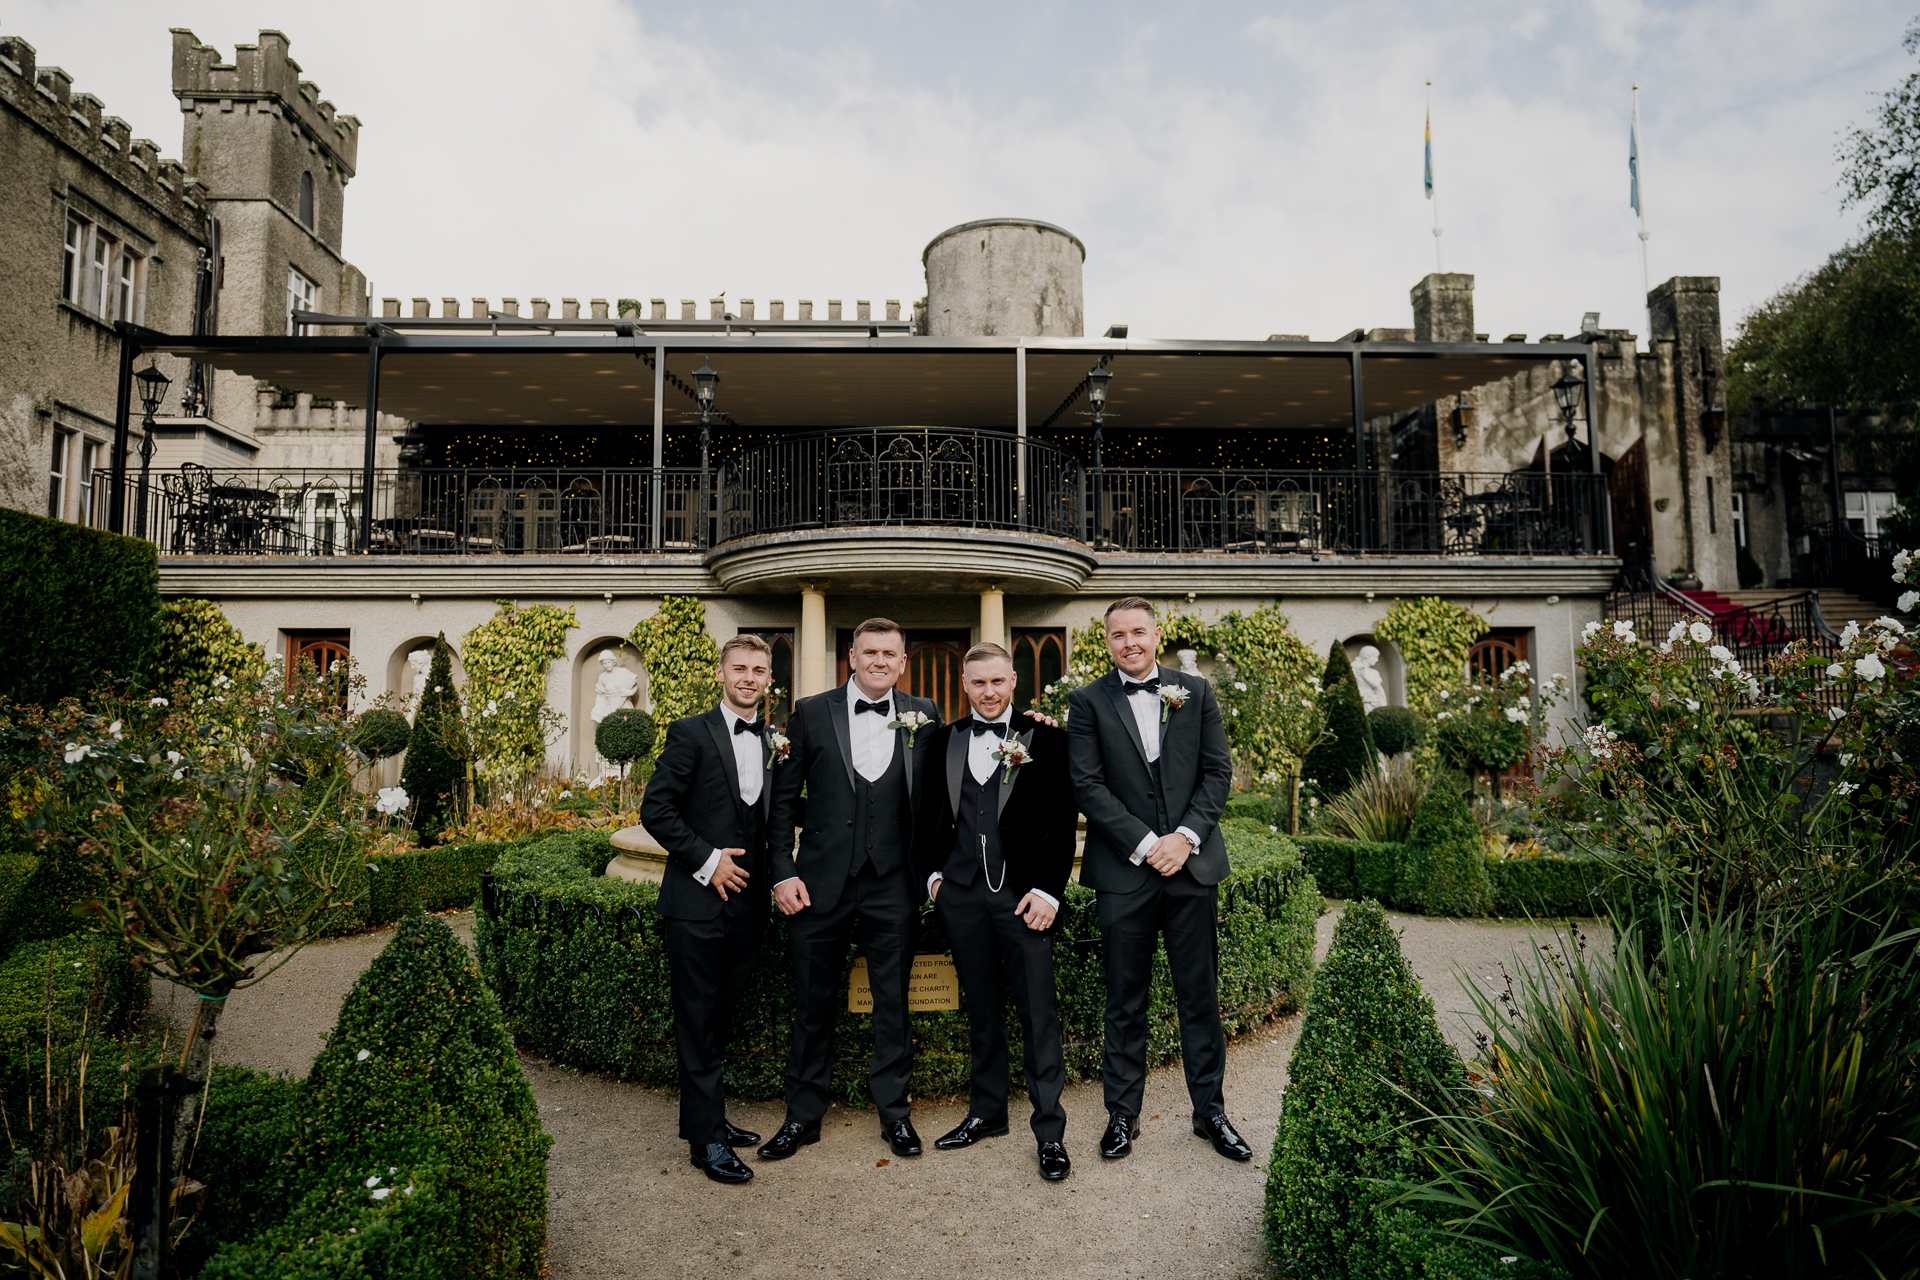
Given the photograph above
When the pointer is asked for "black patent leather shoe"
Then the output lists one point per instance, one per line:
(738, 1137)
(1054, 1165)
(721, 1164)
(1117, 1141)
(792, 1136)
(971, 1130)
(1221, 1134)
(904, 1141)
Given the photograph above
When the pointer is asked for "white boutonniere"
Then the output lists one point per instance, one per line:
(1172, 697)
(912, 721)
(1013, 753)
(782, 747)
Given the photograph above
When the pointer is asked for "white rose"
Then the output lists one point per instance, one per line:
(1589, 631)
(1720, 653)
(1700, 632)
(1870, 667)
(1907, 600)
(1849, 633)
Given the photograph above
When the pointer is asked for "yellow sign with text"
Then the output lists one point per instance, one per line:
(932, 985)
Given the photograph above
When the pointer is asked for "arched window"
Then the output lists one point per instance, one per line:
(306, 200)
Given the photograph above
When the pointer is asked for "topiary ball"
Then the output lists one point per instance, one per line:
(1396, 729)
(380, 732)
(624, 736)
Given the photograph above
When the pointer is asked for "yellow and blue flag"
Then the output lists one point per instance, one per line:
(1430, 154)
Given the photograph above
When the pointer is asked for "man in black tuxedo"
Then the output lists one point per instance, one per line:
(1151, 771)
(994, 845)
(707, 804)
(851, 871)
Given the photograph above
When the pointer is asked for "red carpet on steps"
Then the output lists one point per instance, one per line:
(1737, 623)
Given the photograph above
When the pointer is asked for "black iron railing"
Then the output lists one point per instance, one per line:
(868, 479)
(1842, 559)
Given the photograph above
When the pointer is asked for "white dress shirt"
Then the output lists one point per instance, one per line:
(1146, 707)
(981, 764)
(868, 737)
(750, 763)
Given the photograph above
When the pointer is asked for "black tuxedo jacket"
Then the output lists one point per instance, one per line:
(1114, 785)
(692, 807)
(1037, 817)
(821, 761)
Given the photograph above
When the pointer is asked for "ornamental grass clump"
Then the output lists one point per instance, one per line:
(1380, 807)
(1369, 1072)
(1706, 1099)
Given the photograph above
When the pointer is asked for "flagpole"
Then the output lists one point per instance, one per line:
(1438, 263)
(1640, 207)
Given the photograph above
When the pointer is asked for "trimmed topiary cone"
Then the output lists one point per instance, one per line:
(1347, 751)
(1446, 871)
(435, 772)
(1370, 1059)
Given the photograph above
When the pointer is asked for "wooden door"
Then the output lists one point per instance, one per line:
(322, 650)
(1039, 658)
(1632, 509)
(1491, 655)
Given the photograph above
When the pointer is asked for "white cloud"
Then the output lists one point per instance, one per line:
(1234, 171)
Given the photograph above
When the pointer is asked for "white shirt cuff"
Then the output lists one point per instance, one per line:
(1140, 850)
(705, 873)
(1046, 897)
(1192, 837)
(933, 880)
(788, 880)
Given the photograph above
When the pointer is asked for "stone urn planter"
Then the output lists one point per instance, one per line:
(640, 856)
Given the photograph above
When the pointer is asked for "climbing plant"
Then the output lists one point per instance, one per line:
(680, 658)
(1269, 697)
(1433, 636)
(507, 659)
(1180, 631)
(199, 646)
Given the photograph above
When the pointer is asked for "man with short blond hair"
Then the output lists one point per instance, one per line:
(856, 752)
(707, 804)
(1151, 770)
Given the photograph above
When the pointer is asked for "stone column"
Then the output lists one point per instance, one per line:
(993, 615)
(815, 674)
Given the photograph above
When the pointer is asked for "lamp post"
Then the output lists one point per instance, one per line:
(153, 389)
(706, 383)
(1568, 393)
(1098, 379)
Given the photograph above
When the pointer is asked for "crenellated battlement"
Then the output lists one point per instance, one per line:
(264, 73)
(79, 120)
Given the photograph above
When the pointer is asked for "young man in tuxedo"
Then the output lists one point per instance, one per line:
(707, 804)
(994, 846)
(850, 874)
(1151, 771)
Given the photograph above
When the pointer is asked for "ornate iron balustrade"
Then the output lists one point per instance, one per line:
(870, 479)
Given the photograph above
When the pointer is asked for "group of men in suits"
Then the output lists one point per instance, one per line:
(892, 808)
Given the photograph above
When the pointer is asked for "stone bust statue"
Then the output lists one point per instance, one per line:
(1366, 674)
(614, 688)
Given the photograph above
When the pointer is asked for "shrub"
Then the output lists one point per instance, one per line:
(197, 644)
(1249, 806)
(1353, 868)
(46, 987)
(1379, 807)
(1347, 752)
(417, 1150)
(508, 658)
(624, 736)
(381, 732)
(243, 1155)
(1446, 864)
(434, 776)
(1396, 730)
(1369, 1065)
(680, 658)
(48, 892)
(1741, 1106)
(1433, 636)
(1549, 884)
(579, 962)
(80, 605)
(400, 883)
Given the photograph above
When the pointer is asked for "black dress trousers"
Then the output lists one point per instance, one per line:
(708, 964)
(1185, 911)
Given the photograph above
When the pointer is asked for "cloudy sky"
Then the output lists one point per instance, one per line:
(1234, 169)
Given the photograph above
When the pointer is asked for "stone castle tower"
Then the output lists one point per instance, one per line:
(1004, 278)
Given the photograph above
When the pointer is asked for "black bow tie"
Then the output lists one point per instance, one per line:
(750, 726)
(989, 726)
(1151, 684)
(861, 704)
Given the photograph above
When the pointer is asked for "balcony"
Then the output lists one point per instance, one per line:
(868, 480)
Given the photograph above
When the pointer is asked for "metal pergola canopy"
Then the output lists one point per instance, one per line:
(591, 374)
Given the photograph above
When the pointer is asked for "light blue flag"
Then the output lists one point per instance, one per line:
(1633, 163)
(1430, 158)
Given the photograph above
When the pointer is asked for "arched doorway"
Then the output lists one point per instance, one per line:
(321, 650)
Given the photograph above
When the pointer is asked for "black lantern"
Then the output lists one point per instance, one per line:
(1568, 393)
(705, 383)
(1097, 382)
(153, 389)
(1461, 420)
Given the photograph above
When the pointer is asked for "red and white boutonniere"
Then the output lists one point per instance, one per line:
(912, 721)
(1172, 698)
(782, 747)
(1012, 753)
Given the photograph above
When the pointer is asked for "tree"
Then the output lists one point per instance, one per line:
(1881, 163)
(1347, 751)
(435, 773)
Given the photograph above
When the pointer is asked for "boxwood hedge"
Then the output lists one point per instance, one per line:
(579, 964)
(448, 875)
(80, 604)
(1548, 885)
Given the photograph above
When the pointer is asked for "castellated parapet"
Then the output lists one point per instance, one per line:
(262, 73)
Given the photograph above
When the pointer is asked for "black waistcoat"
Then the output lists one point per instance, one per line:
(881, 818)
(977, 820)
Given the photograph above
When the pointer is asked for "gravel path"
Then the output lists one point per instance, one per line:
(622, 1200)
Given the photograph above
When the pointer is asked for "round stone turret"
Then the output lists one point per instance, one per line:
(1005, 278)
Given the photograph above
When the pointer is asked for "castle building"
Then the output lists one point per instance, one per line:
(346, 477)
